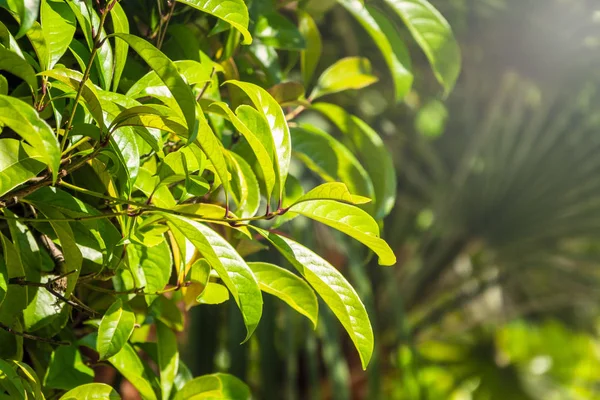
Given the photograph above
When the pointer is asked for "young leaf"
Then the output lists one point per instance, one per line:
(263, 156)
(388, 41)
(434, 35)
(330, 159)
(332, 191)
(58, 28)
(214, 293)
(25, 121)
(151, 267)
(27, 11)
(288, 287)
(244, 186)
(168, 73)
(232, 268)
(92, 391)
(199, 274)
(333, 288)
(120, 25)
(347, 73)
(310, 56)
(215, 386)
(272, 112)
(168, 358)
(371, 150)
(233, 12)
(115, 329)
(18, 163)
(348, 219)
(16, 65)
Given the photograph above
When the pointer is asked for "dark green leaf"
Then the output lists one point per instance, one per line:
(275, 30)
(16, 65)
(67, 370)
(309, 58)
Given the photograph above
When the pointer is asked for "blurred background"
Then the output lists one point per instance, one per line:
(496, 225)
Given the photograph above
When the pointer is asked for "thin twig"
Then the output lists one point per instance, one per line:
(206, 85)
(33, 337)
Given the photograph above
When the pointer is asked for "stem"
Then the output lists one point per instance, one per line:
(212, 73)
(294, 113)
(66, 219)
(76, 144)
(163, 29)
(33, 337)
(86, 75)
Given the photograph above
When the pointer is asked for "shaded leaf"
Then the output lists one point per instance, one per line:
(16, 65)
(310, 56)
(275, 30)
(168, 358)
(67, 370)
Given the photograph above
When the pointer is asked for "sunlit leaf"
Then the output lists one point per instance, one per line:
(115, 329)
(168, 358)
(18, 163)
(233, 12)
(216, 386)
(275, 30)
(16, 65)
(347, 73)
(92, 391)
(332, 191)
(67, 369)
(310, 56)
(58, 27)
(333, 288)
(288, 287)
(121, 25)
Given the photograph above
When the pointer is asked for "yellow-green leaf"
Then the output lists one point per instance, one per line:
(16, 65)
(310, 56)
(168, 357)
(92, 391)
(18, 163)
(115, 329)
(347, 73)
(288, 287)
(215, 387)
(58, 28)
(332, 191)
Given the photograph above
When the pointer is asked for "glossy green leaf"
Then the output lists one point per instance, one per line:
(198, 277)
(120, 25)
(3, 85)
(333, 288)
(58, 28)
(115, 329)
(330, 159)
(244, 186)
(216, 387)
(247, 127)
(347, 73)
(388, 41)
(232, 269)
(89, 22)
(168, 358)
(129, 364)
(372, 152)
(275, 30)
(11, 382)
(214, 293)
(168, 73)
(213, 148)
(16, 65)
(8, 40)
(310, 56)
(348, 219)
(233, 12)
(67, 370)
(18, 163)
(280, 132)
(27, 11)
(89, 94)
(332, 191)
(288, 287)
(173, 168)
(92, 391)
(38, 42)
(25, 121)
(151, 267)
(434, 35)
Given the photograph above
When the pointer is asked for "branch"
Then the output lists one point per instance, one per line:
(33, 337)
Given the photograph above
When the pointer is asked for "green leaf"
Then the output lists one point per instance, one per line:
(333, 288)
(347, 73)
(168, 358)
(434, 35)
(275, 30)
(215, 386)
(173, 168)
(120, 25)
(67, 370)
(168, 73)
(254, 122)
(58, 28)
(213, 293)
(348, 219)
(151, 267)
(288, 287)
(3, 85)
(198, 278)
(332, 191)
(27, 11)
(18, 163)
(11, 382)
(129, 364)
(115, 329)
(388, 41)
(166, 310)
(92, 391)
(288, 93)
(280, 132)
(310, 56)
(232, 268)
(233, 12)
(25, 121)
(244, 186)
(372, 152)
(330, 159)
(89, 94)
(16, 65)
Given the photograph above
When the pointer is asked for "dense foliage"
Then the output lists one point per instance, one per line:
(150, 150)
